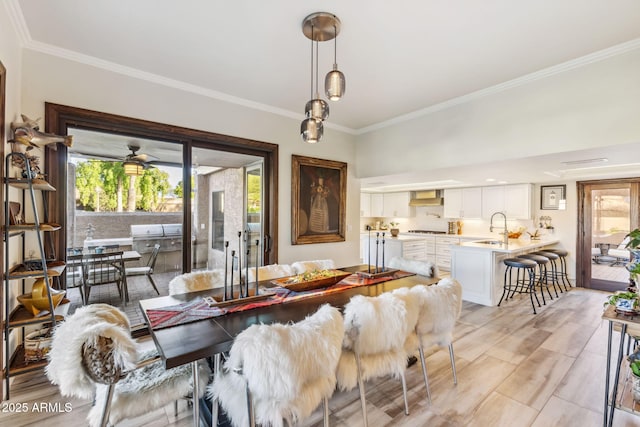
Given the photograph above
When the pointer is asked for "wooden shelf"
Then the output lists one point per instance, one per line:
(21, 317)
(54, 269)
(23, 183)
(18, 365)
(44, 226)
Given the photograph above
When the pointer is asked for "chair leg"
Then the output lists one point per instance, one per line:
(404, 394)
(153, 284)
(252, 416)
(453, 364)
(325, 404)
(363, 402)
(424, 372)
(107, 405)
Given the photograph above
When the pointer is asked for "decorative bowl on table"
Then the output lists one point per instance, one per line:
(311, 280)
(37, 301)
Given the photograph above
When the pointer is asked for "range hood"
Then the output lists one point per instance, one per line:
(426, 198)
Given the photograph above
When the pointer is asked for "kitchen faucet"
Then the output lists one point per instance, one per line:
(506, 232)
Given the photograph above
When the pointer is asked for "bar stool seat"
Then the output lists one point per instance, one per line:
(555, 271)
(564, 277)
(542, 262)
(525, 279)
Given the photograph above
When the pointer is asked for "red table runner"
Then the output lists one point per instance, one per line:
(199, 309)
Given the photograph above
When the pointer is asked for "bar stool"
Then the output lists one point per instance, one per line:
(562, 253)
(542, 262)
(554, 273)
(525, 270)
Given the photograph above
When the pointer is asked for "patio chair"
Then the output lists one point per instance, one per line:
(146, 270)
(103, 269)
(93, 356)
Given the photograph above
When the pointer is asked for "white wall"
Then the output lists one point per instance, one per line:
(57, 80)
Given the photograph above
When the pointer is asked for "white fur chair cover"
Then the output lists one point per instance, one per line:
(381, 330)
(139, 392)
(198, 281)
(288, 368)
(300, 267)
(440, 307)
(423, 268)
(268, 272)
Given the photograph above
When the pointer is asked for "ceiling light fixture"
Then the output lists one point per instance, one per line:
(320, 26)
(133, 168)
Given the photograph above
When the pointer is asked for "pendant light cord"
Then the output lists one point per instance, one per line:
(335, 46)
(312, 28)
(317, 93)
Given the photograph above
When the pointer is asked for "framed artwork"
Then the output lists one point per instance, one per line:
(551, 195)
(318, 200)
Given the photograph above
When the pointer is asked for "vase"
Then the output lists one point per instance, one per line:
(394, 232)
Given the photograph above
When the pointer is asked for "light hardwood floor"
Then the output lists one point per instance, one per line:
(514, 369)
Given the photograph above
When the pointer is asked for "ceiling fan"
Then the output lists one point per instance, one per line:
(134, 164)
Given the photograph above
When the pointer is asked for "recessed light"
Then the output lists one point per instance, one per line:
(490, 179)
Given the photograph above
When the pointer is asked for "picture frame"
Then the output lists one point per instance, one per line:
(551, 196)
(318, 200)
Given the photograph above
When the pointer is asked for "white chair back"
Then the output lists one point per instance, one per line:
(440, 307)
(423, 268)
(197, 281)
(268, 272)
(300, 267)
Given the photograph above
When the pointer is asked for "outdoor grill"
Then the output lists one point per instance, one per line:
(169, 236)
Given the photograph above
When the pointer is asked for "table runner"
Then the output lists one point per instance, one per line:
(199, 309)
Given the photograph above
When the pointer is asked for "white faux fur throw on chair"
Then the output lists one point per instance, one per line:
(140, 391)
(198, 281)
(300, 267)
(441, 305)
(289, 369)
(381, 330)
(423, 268)
(268, 272)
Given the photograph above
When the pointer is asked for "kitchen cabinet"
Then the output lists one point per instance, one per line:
(463, 202)
(377, 205)
(397, 205)
(515, 201)
(365, 204)
(443, 251)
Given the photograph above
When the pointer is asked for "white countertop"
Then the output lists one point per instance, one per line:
(514, 245)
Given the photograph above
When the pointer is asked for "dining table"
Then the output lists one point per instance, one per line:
(192, 341)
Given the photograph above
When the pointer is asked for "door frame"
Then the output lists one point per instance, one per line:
(584, 224)
(58, 118)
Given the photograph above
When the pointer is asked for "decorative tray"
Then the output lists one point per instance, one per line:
(311, 280)
(371, 273)
(213, 302)
(627, 312)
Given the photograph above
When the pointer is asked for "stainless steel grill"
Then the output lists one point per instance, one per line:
(145, 236)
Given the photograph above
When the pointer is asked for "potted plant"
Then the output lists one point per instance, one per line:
(394, 228)
(624, 301)
(633, 244)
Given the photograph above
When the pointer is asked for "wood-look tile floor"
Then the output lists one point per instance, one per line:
(514, 369)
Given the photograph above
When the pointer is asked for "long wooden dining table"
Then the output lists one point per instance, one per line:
(190, 342)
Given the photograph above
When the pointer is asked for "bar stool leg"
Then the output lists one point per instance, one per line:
(532, 291)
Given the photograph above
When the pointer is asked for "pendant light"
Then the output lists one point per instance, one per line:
(334, 82)
(320, 26)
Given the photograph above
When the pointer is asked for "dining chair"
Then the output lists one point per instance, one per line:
(102, 269)
(197, 281)
(268, 272)
(300, 267)
(440, 306)
(146, 270)
(281, 372)
(93, 356)
(423, 268)
(379, 334)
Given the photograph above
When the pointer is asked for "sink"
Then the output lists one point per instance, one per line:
(490, 242)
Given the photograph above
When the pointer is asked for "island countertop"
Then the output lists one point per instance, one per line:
(514, 245)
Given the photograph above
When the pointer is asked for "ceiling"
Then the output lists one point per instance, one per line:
(399, 58)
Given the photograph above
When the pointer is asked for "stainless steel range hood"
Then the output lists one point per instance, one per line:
(426, 198)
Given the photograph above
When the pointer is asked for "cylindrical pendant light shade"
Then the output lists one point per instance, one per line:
(317, 109)
(334, 84)
(311, 130)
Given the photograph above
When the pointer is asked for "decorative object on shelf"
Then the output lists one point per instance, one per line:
(318, 200)
(552, 197)
(37, 301)
(37, 344)
(394, 229)
(317, 27)
(14, 213)
(626, 303)
(27, 133)
(28, 163)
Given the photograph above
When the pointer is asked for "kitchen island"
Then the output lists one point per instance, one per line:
(479, 267)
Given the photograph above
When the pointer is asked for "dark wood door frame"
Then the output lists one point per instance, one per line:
(59, 118)
(583, 238)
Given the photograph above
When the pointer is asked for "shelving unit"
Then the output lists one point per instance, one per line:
(17, 318)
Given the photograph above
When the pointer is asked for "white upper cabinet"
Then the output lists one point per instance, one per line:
(365, 204)
(397, 205)
(513, 200)
(377, 205)
(463, 202)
